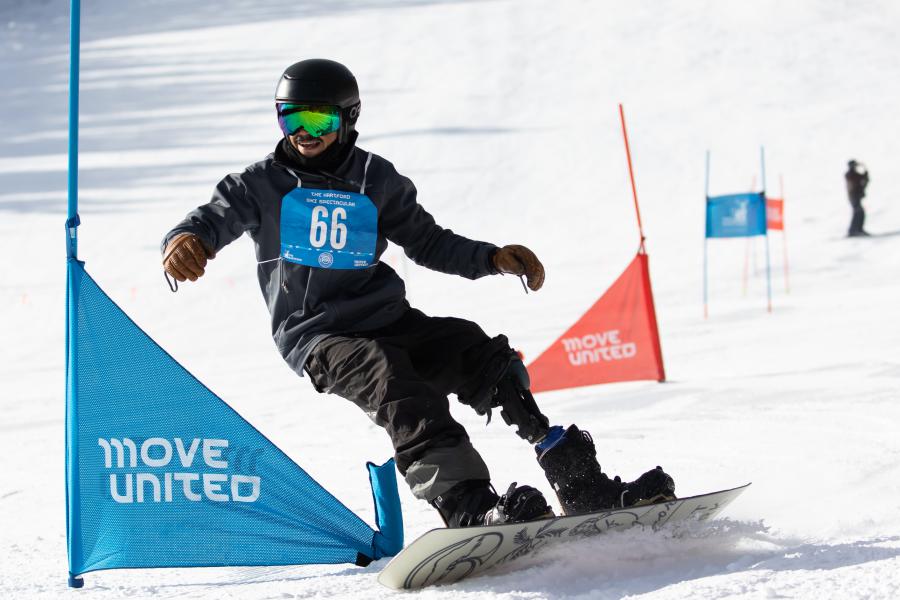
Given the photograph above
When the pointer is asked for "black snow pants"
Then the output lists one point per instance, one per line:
(859, 216)
(400, 375)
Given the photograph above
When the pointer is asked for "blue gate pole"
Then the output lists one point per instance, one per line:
(762, 162)
(73, 520)
(706, 241)
(74, 59)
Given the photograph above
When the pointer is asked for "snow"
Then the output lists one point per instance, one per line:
(504, 114)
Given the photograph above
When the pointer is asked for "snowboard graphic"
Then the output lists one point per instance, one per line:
(443, 556)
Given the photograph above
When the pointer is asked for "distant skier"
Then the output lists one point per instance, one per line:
(857, 178)
(320, 211)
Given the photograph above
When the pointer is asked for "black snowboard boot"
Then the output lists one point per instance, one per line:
(569, 460)
(475, 502)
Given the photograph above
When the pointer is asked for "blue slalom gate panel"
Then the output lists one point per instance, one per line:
(736, 215)
(162, 473)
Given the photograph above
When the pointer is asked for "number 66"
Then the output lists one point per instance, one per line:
(318, 228)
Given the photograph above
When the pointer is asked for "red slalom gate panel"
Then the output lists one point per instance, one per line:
(617, 339)
(775, 213)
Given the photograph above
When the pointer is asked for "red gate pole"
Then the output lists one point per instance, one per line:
(645, 266)
(637, 209)
(747, 250)
(787, 284)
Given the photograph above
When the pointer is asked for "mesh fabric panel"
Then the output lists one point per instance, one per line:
(162, 472)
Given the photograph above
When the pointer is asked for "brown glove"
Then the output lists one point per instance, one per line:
(519, 260)
(185, 257)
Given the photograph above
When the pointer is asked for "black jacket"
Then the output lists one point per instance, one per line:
(309, 303)
(856, 183)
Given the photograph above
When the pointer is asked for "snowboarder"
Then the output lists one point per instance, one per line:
(857, 178)
(320, 211)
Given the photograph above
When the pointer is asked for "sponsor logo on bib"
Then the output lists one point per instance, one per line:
(326, 259)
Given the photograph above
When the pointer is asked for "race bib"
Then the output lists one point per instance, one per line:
(329, 229)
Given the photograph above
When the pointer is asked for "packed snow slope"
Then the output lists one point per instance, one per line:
(504, 114)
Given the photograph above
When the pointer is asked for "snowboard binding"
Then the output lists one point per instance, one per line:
(475, 502)
(518, 504)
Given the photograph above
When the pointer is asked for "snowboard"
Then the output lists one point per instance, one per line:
(443, 556)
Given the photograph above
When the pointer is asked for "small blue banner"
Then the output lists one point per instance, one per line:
(162, 473)
(329, 229)
(736, 215)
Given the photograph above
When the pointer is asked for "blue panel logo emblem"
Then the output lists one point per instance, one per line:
(329, 229)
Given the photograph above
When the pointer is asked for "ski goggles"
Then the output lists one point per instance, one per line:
(316, 120)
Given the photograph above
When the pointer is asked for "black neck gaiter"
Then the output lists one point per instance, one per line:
(328, 161)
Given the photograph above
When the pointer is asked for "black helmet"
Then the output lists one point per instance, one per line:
(322, 81)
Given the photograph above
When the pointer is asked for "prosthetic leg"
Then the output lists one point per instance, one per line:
(567, 456)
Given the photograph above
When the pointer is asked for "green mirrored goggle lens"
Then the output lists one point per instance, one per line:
(315, 120)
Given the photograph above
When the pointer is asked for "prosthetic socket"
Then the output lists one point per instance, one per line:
(510, 393)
